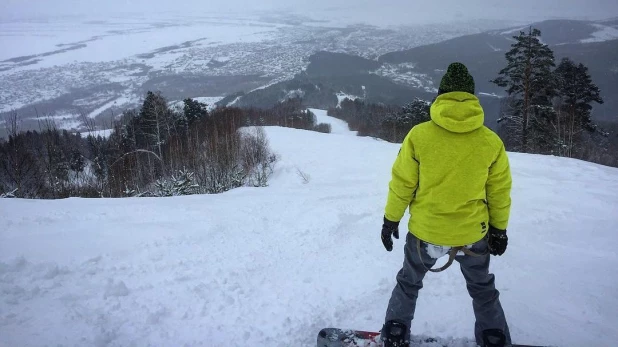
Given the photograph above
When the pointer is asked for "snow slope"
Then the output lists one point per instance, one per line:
(271, 266)
(604, 33)
(337, 125)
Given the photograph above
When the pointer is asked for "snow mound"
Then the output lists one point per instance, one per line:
(273, 266)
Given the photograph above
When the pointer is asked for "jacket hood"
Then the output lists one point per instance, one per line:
(458, 112)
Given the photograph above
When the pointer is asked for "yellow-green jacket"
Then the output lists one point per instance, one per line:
(453, 173)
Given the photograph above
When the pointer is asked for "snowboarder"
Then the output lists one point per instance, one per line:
(453, 174)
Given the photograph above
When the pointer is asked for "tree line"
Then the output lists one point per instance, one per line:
(154, 150)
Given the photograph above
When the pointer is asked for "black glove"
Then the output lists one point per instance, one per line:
(497, 241)
(389, 228)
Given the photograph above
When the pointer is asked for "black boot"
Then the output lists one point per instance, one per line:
(494, 338)
(394, 334)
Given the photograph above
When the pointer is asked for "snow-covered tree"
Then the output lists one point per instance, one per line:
(397, 125)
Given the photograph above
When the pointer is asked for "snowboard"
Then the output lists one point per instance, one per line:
(334, 337)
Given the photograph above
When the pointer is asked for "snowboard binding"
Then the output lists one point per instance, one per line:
(395, 334)
(494, 338)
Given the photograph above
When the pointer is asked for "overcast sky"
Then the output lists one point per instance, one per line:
(374, 11)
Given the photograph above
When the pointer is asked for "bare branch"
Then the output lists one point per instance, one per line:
(137, 151)
(12, 124)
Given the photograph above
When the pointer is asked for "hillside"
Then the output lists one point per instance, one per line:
(400, 76)
(271, 266)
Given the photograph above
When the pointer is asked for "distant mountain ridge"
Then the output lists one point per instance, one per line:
(398, 77)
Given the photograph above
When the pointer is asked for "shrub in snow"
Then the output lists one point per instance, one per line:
(258, 160)
(136, 193)
(129, 191)
(259, 175)
(323, 128)
(182, 183)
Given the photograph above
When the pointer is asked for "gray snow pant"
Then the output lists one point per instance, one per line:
(485, 297)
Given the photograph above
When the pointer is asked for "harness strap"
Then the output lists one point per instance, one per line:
(451, 256)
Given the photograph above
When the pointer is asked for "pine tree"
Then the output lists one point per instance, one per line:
(529, 83)
(416, 111)
(576, 92)
(194, 110)
(154, 119)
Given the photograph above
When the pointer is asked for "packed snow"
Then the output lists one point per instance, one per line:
(272, 266)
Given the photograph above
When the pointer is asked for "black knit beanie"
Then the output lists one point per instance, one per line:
(457, 79)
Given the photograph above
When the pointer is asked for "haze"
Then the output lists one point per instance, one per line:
(385, 12)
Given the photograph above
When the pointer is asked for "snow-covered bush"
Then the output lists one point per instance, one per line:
(183, 183)
(323, 128)
(258, 160)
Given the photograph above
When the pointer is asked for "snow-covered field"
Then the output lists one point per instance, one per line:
(272, 266)
(117, 38)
